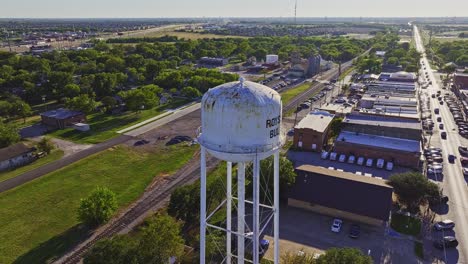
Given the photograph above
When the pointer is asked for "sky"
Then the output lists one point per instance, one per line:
(230, 8)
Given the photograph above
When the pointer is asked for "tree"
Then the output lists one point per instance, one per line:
(335, 127)
(331, 256)
(109, 102)
(139, 99)
(98, 207)
(287, 174)
(120, 249)
(344, 256)
(160, 239)
(71, 90)
(8, 135)
(413, 189)
(82, 103)
(190, 92)
(45, 145)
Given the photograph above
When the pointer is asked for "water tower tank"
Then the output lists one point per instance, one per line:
(241, 121)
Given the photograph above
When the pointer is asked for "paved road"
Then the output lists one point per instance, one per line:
(50, 167)
(454, 184)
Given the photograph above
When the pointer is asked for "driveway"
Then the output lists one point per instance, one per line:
(68, 147)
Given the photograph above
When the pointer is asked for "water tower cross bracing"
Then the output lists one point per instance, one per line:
(241, 124)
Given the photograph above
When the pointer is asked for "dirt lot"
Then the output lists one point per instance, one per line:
(184, 126)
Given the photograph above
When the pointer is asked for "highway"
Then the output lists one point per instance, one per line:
(453, 182)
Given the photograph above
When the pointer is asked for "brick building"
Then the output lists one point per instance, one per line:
(390, 138)
(62, 118)
(311, 133)
(341, 194)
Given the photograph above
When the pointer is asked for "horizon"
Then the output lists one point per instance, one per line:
(57, 9)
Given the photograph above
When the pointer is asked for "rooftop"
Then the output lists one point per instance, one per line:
(14, 151)
(380, 142)
(343, 175)
(336, 108)
(316, 120)
(381, 120)
(357, 194)
(61, 113)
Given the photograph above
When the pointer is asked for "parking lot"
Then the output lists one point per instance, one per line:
(312, 158)
(306, 231)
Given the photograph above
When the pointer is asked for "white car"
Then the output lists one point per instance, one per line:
(342, 158)
(369, 162)
(351, 159)
(389, 166)
(333, 156)
(380, 163)
(324, 155)
(336, 226)
(360, 161)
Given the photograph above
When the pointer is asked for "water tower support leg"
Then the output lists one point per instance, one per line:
(256, 211)
(202, 204)
(240, 211)
(276, 206)
(228, 212)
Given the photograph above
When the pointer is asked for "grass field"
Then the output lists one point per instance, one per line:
(55, 155)
(406, 224)
(288, 95)
(104, 126)
(39, 221)
(171, 31)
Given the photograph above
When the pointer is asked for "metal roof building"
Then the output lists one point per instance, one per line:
(341, 194)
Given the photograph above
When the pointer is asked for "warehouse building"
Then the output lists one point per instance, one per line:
(391, 138)
(341, 194)
(311, 133)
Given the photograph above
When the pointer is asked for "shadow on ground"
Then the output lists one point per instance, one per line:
(55, 247)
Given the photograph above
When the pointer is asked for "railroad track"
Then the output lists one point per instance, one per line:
(155, 199)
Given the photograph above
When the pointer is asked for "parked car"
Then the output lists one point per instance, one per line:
(354, 231)
(439, 119)
(436, 110)
(464, 161)
(351, 159)
(333, 156)
(369, 162)
(446, 224)
(465, 171)
(360, 161)
(342, 158)
(441, 126)
(336, 226)
(389, 166)
(380, 163)
(325, 155)
(446, 242)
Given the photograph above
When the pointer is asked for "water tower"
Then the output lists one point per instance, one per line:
(241, 124)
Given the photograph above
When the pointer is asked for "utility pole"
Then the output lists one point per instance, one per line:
(295, 13)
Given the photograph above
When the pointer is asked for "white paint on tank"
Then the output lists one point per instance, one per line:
(241, 120)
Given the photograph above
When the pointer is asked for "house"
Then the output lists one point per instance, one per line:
(62, 118)
(341, 194)
(311, 133)
(16, 155)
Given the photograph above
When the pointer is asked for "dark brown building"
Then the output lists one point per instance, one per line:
(62, 118)
(341, 194)
(312, 131)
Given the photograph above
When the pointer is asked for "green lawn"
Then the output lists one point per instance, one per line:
(55, 155)
(105, 126)
(406, 224)
(288, 95)
(39, 221)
